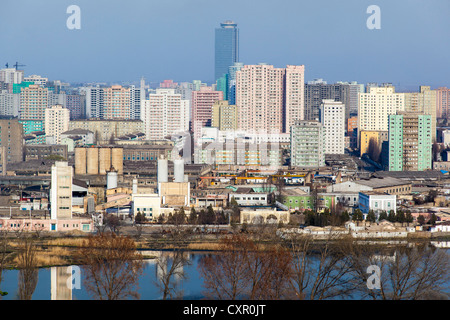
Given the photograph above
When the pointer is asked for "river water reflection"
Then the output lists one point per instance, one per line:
(52, 284)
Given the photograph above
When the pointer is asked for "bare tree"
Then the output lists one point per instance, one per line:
(28, 272)
(112, 266)
(169, 267)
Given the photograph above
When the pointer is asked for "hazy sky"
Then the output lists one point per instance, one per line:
(122, 40)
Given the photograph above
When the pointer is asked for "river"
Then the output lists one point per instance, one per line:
(52, 282)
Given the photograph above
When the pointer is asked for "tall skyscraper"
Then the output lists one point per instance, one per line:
(226, 48)
(269, 99)
(410, 141)
(164, 113)
(332, 117)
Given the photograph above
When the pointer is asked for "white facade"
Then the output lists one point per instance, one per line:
(332, 117)
(375, 106)
(9, 103)
(11, 75)
(41, 81)
(56, 122)
(147, 204)
(377, 202)
(164, 113)
(61, 191)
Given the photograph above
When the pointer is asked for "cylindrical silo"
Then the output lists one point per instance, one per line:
(80, 160)
(104, 161)
(135, 186)
(163, 170)
(111, 179)
(117, 159)
(178, 170)
(92, 160)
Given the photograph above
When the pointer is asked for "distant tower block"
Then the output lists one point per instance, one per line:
(178, 170)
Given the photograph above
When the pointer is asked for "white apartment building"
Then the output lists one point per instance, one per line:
(37, 79)
(11, 75)
(164, 113)
(332, 117)
(57, 120)
(375, 106)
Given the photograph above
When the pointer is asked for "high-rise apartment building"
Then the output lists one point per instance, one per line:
(332, 117)
(94, 101)
(226, 48)
(11, 139)
(9, 103)
(33, 102)
(36, 79)
(164, 114)
(76, 103)
(307, 144)
(443, 102)
(57, 120)
(355, 88)
(224, 116)
(318, 90)
(11, 75)
(410, 141)
(375, 106)
(201, 105)
(116, 103)
(269, 99)
(423, 101)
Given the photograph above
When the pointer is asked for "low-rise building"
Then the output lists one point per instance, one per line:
(377, 202)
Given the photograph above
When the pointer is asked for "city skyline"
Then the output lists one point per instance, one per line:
(175, 40)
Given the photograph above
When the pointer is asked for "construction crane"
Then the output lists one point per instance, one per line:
(18, 65)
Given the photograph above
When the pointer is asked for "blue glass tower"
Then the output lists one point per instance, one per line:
(226, 48)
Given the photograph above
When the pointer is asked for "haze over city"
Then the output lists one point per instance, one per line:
(121, 41)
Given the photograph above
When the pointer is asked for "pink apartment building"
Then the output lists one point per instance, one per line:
(116, 103)
(202, 104)
(269, 99)
(443, 102)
